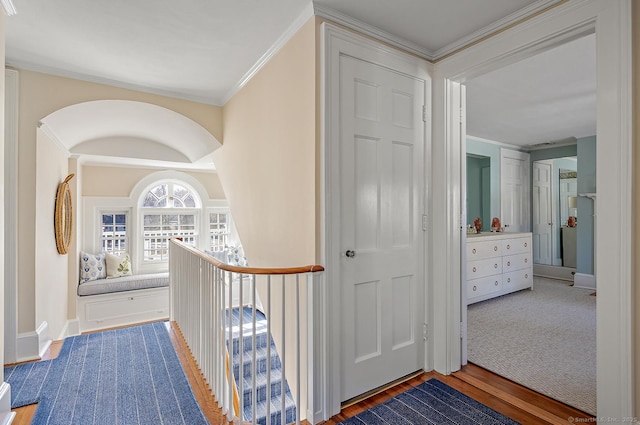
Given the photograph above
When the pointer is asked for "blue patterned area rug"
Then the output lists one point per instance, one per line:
(125, 376)
(431, 402)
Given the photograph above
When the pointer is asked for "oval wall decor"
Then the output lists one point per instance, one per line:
(63, 219)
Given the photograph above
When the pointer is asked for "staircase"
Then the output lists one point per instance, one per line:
(261, 365)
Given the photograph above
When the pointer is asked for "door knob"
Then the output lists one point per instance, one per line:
(350, 253)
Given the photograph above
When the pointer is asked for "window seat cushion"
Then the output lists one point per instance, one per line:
(124, 283)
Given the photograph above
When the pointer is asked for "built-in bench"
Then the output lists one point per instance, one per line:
(105, 303)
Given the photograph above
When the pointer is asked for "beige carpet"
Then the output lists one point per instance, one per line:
(544, 339)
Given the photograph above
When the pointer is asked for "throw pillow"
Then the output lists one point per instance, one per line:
(118, 266)
(92, 267)
(235, 256)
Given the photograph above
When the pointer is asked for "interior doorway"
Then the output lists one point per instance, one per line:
(505, 130)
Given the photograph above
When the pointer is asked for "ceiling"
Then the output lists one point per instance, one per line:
(205, 50)
(545, 99)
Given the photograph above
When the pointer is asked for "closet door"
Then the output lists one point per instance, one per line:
(515, 201)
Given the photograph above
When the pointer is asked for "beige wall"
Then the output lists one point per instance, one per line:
(267, 162)
(635, 20)
(52, 167)
(39, 96)
(120, 181)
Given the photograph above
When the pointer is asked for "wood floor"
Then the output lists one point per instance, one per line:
(510, 399)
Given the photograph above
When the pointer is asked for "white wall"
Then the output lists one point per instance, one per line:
(51, 271)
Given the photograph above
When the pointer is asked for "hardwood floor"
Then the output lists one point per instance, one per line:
(521, 404)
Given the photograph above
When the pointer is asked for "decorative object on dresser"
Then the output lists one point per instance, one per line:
(498, 264)
(495, 224)
(477, 223)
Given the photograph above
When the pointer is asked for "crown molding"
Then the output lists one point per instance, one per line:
(372, 31)
(411, 47)
(122, 162)
(54, 138)
(302, 19)
(28, 66)
(497, 26)
(495, 142)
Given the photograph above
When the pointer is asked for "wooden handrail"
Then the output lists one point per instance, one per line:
(247, 270)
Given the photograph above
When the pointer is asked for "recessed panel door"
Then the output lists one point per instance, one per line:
(542, 215)
(382, 180)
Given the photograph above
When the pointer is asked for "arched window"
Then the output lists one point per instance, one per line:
(161, 205)
(169, 209)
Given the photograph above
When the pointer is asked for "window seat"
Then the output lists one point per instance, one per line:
(124, 283)
(107, 303)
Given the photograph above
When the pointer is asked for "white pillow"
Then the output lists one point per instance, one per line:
(92, 267)
(118, 266)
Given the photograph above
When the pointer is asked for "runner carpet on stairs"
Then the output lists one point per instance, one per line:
(265, 348)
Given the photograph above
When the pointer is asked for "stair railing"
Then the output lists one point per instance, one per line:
(206, 292)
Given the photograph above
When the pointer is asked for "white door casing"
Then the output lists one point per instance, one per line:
(381, 145)
(542, 219)
(514, 190)
(611, 21)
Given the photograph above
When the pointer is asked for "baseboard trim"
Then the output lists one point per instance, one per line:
(554, 272)
(586, 281)
(71, 328)
(6, 415)
(32, 345)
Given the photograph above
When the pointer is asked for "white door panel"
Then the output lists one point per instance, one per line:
(542, 219)
(514, 190)
(381, 149)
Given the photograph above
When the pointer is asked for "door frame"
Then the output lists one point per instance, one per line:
(612, 23)
(335, 42)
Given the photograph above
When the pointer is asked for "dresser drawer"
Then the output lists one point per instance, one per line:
(482, 268)
(484, 286)
(518, 279)
(516, 246)
(516, 262)
(479, 250)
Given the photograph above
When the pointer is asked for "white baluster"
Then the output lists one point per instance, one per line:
(297, 349)
(283, 338)
(254, 388)
(268, 350)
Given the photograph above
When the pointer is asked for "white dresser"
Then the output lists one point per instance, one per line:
(497, 264)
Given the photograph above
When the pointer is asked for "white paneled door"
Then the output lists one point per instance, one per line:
(381, 185)
(542, 213)
(514, 191)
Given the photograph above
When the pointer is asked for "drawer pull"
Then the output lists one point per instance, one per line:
(473, 251)
(495, 248)
(508, 280)
(526, 275)
(525, 244)
(526, 260)
(496, 283)
(508, 246)
(475, 270)
(495, 266)
(508, 263)
(475, 288)
(130, 298)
